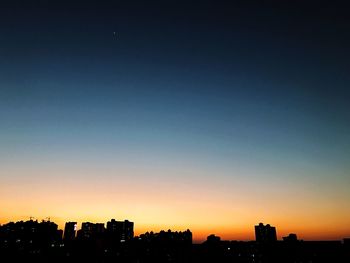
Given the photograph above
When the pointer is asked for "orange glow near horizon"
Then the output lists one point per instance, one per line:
(161, 212)
(202, 204)
(200, 233)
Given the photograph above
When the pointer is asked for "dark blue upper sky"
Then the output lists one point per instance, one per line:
(213, 66)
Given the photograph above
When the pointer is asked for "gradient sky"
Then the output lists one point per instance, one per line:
(203, 115)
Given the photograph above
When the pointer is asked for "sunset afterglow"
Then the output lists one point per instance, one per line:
(208, 118)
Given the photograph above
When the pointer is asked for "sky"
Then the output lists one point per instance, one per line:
(207, 115)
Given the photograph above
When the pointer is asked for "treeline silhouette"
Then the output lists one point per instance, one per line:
(33, 241)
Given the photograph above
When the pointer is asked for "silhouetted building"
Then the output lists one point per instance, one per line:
(70, 230)
(265, 234)
(290, 238)
(120, 230)
(165, 246)
(30, 236)
(99, 228)
(213, 238)
(90, 230)
(169, 236)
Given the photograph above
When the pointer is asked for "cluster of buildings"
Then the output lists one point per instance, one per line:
(30, 235)
(37, 237)
(115, 242)
(267, 234)
(117, 230)
(122, 231)
(177, 237)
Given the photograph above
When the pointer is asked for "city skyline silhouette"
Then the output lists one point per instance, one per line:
(260, 233)
(35, 241)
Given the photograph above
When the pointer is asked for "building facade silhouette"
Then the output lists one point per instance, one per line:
(90, 230)
(70, 230)
(265, 233)
(120, 230)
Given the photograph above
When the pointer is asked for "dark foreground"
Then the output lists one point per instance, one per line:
(168, 251)
(42, 242)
